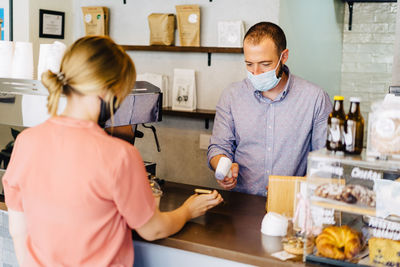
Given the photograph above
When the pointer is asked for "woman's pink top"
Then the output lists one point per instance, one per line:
(81, 192)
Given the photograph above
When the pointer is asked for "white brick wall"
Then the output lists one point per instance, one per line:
(368, 52)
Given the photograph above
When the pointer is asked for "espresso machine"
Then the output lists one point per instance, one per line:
(23, 104)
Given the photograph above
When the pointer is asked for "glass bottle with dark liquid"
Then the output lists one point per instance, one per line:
(354, 128)
(336, 119)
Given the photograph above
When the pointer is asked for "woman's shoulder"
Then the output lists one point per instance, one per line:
(118, 146)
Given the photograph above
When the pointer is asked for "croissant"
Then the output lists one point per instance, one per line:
(338, 242)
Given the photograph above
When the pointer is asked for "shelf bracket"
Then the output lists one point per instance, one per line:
(209, 59)
(350, 14)
(207, 123)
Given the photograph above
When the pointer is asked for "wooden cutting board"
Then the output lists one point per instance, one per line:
(282, 191)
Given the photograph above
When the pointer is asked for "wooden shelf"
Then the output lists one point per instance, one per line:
(345, 207)
(194, 49)
(205, 114)
(200, 49)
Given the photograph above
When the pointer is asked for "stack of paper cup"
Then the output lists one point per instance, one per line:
(50, 56)
(43, 56)
(6, 56)
(22, 66)
(274, 224)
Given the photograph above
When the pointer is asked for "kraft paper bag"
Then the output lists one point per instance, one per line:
(106, 20)
(188, 17)
(96, 20)
(162, 29)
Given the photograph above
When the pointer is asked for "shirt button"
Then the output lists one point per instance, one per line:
(268, 171)
(269, 149)
(269, 127)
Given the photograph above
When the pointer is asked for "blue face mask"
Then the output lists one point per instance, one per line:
(264, 81)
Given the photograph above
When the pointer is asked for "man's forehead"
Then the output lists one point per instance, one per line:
(266, 42)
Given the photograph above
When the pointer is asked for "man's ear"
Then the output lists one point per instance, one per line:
(285, 56)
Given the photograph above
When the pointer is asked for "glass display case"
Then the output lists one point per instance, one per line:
(354, 203)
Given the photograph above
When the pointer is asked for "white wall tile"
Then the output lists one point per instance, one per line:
(368, 50)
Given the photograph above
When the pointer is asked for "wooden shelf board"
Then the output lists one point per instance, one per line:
(345, 208)
(201, 49)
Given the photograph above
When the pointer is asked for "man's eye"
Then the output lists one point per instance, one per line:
(248, 64)
(266, 65)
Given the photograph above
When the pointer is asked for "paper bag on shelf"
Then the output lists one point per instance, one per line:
(184, 90)
(230, 33)
(159, 80)
(106, 20)
(95, 19)
(162, 29)
(188, 17)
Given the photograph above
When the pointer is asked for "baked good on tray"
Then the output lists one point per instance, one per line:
(354, 193)
(328, 190)
(296, 246)
(351, 193)
(338, 242)
(384, 252)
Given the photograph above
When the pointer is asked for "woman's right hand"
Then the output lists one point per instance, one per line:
(198, 204)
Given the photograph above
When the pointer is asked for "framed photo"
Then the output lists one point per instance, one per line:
(6, 20)
(51, 24)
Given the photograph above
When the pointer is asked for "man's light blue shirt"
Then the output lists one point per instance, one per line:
(269, 137)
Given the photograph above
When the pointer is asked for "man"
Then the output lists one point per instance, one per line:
(267, 123)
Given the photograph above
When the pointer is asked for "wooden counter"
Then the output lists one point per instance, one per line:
(2, 203)
(229, 231)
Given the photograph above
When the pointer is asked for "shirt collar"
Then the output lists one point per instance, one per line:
(281, 96)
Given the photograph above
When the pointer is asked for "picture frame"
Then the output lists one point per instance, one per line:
(6, 20)
(51, 24)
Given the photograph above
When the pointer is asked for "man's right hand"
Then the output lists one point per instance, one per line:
(229, 183)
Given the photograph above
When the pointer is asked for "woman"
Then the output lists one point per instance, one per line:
(74, 192)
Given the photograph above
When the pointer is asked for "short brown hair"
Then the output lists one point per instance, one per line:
(262, 30)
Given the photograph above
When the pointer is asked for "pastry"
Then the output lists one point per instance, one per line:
(384, 252)
(331, 191)
(351, 193)
(338, 242)
(295, 246)
(354, 193)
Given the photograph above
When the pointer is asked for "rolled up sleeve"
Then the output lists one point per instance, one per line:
(222, 140)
